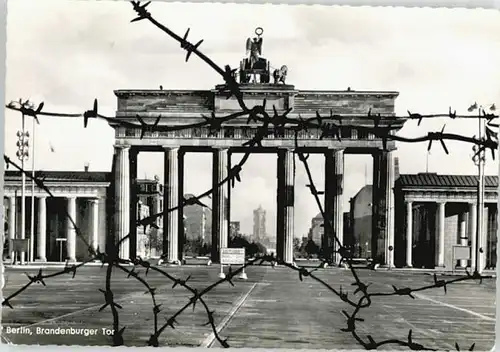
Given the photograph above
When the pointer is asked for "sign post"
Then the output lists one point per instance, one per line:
(460, 252)
(235, 256)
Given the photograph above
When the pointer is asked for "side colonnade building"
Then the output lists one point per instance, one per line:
(436, 213)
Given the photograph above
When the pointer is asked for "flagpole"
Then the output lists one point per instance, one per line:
(427, 162)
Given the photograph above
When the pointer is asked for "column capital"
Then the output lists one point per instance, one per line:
(94, 200)
(122, 146)
(383, 152)
(169, 147)
(71, 197)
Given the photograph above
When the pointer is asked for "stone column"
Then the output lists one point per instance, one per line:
(133, 153)
(94, 209)
(472, 234)
(181, 233)
(122, 199)
(328, 242)
(228, 199)
(170, 200)
(409, 234)
(42, 229)
(440, 233)
(334, 185)
(338, 202)
(71, 231)
(12, 223)
(383, 207)
(219, 207)
(285, 194)
(462, 233)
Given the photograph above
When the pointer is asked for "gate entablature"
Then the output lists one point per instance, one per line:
(177, 107)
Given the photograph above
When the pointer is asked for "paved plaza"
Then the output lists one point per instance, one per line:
(272, 309)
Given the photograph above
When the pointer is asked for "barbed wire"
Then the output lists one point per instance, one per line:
(266, 124)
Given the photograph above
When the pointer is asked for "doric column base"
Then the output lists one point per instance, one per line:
(40, 260)
(163, 261)
(408, 266)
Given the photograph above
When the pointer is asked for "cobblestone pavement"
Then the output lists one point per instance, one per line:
(272, 309)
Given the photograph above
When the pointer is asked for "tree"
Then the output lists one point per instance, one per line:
(194, 247)
(154, 241)
(261, 249)
(302, 248)
(296, 244)
(311, 248)
(251, 248)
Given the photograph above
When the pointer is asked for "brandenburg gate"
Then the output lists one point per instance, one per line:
(258, 81)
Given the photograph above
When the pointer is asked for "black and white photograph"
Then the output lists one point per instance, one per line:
(250, 175)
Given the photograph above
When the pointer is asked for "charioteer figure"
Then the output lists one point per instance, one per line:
(255, 68)
(254, 48)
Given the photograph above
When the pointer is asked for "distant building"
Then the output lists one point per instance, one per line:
(316, 231)
(150, 194)
(198, 222)
(361, 217)
(259, 224)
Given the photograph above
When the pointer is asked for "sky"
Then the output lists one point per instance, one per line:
(67, 52)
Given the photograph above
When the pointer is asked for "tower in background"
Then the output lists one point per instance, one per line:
(259, 224)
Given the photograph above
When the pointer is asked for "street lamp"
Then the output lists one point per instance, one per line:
(32, 232)
(23, 154)
(479, 161)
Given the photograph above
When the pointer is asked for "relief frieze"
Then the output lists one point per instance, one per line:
(240, 132)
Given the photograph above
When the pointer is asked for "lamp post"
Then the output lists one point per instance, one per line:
(479, 161)
(32, 231)
(22, 154)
